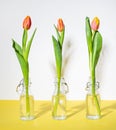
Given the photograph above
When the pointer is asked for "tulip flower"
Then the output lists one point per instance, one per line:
(95, 24)
(57, 44)
(60, 25)
(27, 23)
(94, 42)
(22, 53)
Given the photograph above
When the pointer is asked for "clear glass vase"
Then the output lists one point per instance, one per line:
(93, 102)
(59, 100)
(26, 102)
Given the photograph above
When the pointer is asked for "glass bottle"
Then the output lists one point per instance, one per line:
(59, 100)
(93, 102)
(26, 102)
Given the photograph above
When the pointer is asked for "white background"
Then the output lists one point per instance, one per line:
(44, 14)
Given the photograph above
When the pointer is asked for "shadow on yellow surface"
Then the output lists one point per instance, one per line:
(42, 109)
(108, 109)
(75, 109)
(76, 117)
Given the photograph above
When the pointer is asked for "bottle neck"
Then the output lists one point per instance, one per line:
(63, 89)
(89, 88)
(22, 89)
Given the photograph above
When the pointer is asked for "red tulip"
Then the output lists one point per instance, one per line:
(27, 23)
(95, 24)
(60, 25)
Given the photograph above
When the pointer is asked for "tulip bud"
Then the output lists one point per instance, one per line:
(27, 23)
(95, 24)
(60, 25)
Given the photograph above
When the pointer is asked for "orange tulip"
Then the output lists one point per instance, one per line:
(95, 24)
(27, 23)
(60, 25)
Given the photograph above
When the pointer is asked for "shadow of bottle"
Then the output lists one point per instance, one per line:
(72, 111)
(108, 109)
(42, 109)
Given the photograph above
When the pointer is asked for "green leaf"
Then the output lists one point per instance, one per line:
(58, 56)
(23, 64)
(24, 39)
(88, 34)
(24, 67)
(62, 37)
(29, 45)
(17, 47)
(58, 34)
(97, 46)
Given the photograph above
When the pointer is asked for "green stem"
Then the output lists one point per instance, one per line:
(94, 91)
(93, 81)
(56, 98)
(27, 102)
(97, 104)
(26, 82)
(58, 92)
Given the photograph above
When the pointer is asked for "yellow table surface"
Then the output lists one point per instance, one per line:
(76, 119)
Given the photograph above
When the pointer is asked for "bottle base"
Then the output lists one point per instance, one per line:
(59, 117)
(93, 117)
(27, 118)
